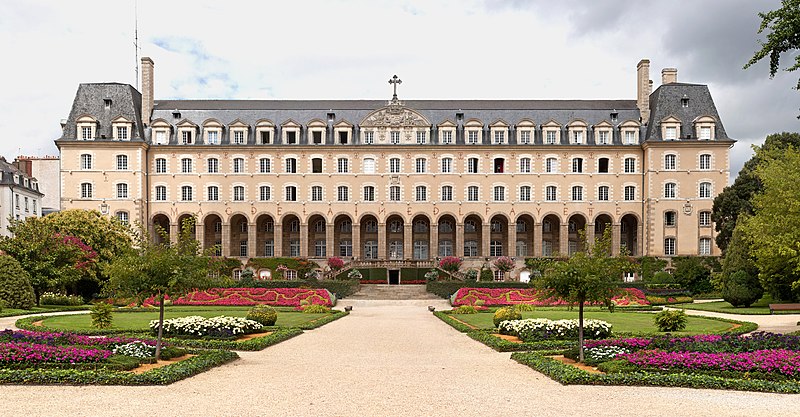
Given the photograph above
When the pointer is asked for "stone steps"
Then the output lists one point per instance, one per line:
(392, 292)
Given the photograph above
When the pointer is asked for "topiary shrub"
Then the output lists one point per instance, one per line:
(316, 309)
(465, 309)
(263, 314)
(15, 284)
(486, 275)
(661, 277)
(102, 317)
(670, 320)
(741, 289)
(506, 313)
(525, 307)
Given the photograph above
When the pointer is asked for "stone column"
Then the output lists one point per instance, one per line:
(511, 248)
(537, 240)
(226, 239)
(615, 238)
(277, 240)
(174, 231)
(330, 245)
(433, 241)
(252, 231)
(486, 237)
(303, 240)
(408, 241)
(356, 239)
(589, 237)
(459, 243)
(382, 242)
(200, 235)
(563, 239)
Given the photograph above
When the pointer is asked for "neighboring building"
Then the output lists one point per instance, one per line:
(403, 183)
(47, 170)
(19, 196)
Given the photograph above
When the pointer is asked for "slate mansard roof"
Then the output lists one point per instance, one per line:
(666, 102)
(7, 173)
(91, 100)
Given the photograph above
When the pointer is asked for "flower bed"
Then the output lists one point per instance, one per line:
(782, 361)
(511, 296)
(33, 353)
(288, 297)
(530, 330)
(705, 343)
(197, 326)
(64, 338)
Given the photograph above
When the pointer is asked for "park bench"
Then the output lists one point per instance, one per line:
(783, 307)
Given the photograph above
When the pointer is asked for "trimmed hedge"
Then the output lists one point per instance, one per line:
(258, 343)
(205, 360)
(461, 327)
(333, 316)
(341, 289)
(569, 375)
(502, 345)
(445, 289)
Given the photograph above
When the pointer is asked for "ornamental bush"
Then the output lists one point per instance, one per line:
(53, 299)
(741, 289)
(670, 320)
(465, 309)
(506, 313)
(101, 314)
(316, 309)
(15, 284)
(197, 326)
(137, 349)
(263, 314)
(530, 330)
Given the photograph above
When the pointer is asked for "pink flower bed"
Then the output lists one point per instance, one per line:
(286, 297)
(785, 362)
(38, 353)
(511, 296)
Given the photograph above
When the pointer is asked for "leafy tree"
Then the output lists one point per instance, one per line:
(54, 260)
(738, 282)
(649, 266)
(774, 230)
(160, 269)
(783, 37)
(586, 277)
(15, 284)
(735, 199)
(694, 272)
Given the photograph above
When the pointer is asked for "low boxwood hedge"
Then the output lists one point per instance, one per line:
(205, 360)
(502, 345)
(256, 343)
(569, 375)
(456, 324)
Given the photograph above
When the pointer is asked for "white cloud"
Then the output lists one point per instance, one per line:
(349, 49)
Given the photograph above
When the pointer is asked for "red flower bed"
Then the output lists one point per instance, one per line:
(289, 297)
(511, 296)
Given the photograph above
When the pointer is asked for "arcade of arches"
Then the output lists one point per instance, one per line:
(414, 238)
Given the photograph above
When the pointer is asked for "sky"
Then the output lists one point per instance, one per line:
(336, 49)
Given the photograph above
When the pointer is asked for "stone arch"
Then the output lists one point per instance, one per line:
(421, 237)
(190, 217)
(317, 236)
(576, 233)
(524, 245)
(446, 230)
(290, 235)
(473, 236)
(602, 222)
(212, 232)
(498, 235)
(630, 234)
(343, 236)
(395, 237)
(238, 242)
(369, 236)
(265, 235)
(551, 235)
(161, 228)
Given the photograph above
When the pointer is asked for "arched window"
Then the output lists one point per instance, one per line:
(342, 193)
(421, 193)
(346, 226)
(238, 165)
(499, 193)
(86, 161)
(445, 226)
(186, 165)
(86, 190)
(669, 162)
(213, 193)
(550, 193)
(319, 226)
(525, 193)
(186, 193)
(669, 190)
(420, 249)
(161, 193)
(705, 190)
(602, 193)
(396, 226)
(238, 193)
(369, 166)
(420, 226)
(294, 226)
(470, 226)
(213, 165)
(161, 166)
(122, 190)
(264, 165)
(577, 193)
(496, 226)
(551, 165)
(122, 163)
(525, 165)
(264, 193)
(371, 226)
(316, 193)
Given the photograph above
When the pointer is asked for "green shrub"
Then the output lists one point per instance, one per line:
(316, 309)
(263, 314)
(506, 313)
(15, 284)
(661, 277)
(525, 307)
(670, 320)
(741, 290)
(52, 299)
(465, 309)
(486, 275)
(101, 314)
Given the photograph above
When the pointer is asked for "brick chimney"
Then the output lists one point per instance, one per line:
(669, 76)
(643, 87)
(147, 89)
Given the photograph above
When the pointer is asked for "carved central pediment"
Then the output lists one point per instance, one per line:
(395, 115)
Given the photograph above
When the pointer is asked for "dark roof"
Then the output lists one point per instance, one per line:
(666, 102)
(11, 170)
(376, 104)
(90, 100)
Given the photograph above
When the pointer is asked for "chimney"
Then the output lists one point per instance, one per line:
(669, 76)
(147, 89)
(643, 87)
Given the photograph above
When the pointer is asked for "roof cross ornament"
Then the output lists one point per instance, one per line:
(394, 81)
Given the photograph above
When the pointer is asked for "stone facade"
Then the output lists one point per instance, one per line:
(404, 182)
(46, 169)
(19, 196)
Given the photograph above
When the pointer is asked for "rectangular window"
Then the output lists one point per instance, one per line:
(420, 165)
(630, 165)
(122, 133)
(291, 166)
(369, 193)
(447, 137)
(394, 193)
(122, 190)
(577, 165)
(525, 165)
(186, 165)
(161, 193)
(122, 162)
(705, 133)
(447, 165)
(525, 137)
(602, 137)
(243, 248)
(238, 137)
(186, 193)
(630, 193)
(342, 165)
(316, 193)
(630, 137)
(472, 137)
(550, 193)
(86, 133)
(213, 193)
(670, 217)
(394, 137)
(161, 137)
(343, 193)
(670, 133)
(550, 137)
(265, 137)
(577, 137)
(447, 193)
(186, 137)
(291, 137)
(499, 193)
(472, 165)
(294, 250)
(369, 166)
(472, 193)
(291, 193)
(705, 246)
(213, 137)
(264, 165)
(705, 162)
(394, 165)
(525, 193)
(369, 137)
(577, 193)
(705, 219)
(422, 137)
(264, 193)
(669, 246)
(316, 137)
(499, 137)
(422, 193)
(343, 137)
(602, 193)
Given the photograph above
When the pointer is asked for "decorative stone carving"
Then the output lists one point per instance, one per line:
(395, 115)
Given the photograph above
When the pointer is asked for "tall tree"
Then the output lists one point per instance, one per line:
(783, 26)
(160, 269)
(734, 200)
(54, 260)
(774, 230)
(591, 277)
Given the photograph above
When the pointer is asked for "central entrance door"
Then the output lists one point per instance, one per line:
(394, 277)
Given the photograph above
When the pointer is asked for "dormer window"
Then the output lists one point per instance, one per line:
(187, 137)
(239, 137)
(577, 132)
(107, 103)
(290, 132)
(86, 128)
(87, 133)
(684, 101)
(122, 132)
(614, 116)
(343, 132)
(704, 128)
(474, 132)
(670, 133)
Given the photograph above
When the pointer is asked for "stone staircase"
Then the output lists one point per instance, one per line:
(392, 292)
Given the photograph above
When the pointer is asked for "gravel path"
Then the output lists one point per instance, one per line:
(775, 323)
(387, 358)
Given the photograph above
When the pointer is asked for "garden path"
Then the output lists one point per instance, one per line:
(387, 358)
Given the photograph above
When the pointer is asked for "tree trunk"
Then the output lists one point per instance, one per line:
(580, 331)
(161, 326)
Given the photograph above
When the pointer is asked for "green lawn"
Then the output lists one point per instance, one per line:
(759, 307)
(139, 320)
(9, 312)
(627, 322)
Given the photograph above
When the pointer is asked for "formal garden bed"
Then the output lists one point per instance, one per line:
(757, 308)
(282, 297)
(28, 357)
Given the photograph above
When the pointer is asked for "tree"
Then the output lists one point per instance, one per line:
(783, 37)
(15, 284)
(160, 269)
(774, 229)
(738, 280)
(586, 277)
(54, 260)
(735, 199)
(694, 272)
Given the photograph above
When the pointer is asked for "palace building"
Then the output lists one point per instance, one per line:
(404, 182)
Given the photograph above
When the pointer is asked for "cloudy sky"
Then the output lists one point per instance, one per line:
(327, 49)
